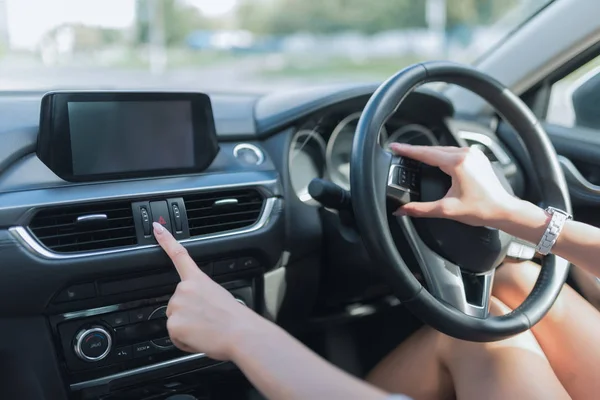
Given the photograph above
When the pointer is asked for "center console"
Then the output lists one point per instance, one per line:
(119, 348)
(85, 274)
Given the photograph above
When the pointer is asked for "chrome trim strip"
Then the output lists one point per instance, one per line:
(148, 368)
(487, 141)
(247, 146)
(574, 176)
(64, 193)
(24, 236)
(91, 312)
(92, 217)
(225, 202)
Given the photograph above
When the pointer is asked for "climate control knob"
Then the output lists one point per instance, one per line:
(93, 344)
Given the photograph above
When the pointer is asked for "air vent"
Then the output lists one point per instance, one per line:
(484, 149)
(85, 227)
(216, 212)
(492, 150)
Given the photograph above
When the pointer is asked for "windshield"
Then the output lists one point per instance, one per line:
(233, 45)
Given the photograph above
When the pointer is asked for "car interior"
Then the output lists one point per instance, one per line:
(279, 198)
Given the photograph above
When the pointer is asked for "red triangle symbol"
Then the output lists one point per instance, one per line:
(161, 220)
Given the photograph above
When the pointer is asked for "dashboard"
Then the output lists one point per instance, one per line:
(83, 288)
(322, 146)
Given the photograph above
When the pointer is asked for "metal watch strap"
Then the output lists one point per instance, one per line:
(555, 226)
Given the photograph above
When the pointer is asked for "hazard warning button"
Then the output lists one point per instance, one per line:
(160, 214)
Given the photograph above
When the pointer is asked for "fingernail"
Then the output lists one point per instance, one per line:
(399, 213)
(158, 228)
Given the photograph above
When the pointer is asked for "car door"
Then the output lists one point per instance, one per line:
(568, 104)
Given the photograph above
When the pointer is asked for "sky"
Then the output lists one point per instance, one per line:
(28, 20)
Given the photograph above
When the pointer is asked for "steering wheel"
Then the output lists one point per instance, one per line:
(449, 253)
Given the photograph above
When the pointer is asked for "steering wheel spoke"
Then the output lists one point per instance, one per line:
(466, 292)
(521, 250)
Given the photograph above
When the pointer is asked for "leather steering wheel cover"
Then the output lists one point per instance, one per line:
(367, 162)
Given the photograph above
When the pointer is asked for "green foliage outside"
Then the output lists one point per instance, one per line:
(282, 17)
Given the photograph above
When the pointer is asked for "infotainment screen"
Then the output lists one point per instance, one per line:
(107, 135)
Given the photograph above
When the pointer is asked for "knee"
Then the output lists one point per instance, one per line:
(515, 279)
(456, 350)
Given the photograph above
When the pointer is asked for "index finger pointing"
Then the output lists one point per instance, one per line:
(434, 156)
(185, 266)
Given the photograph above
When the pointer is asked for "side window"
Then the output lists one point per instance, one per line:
(575, 99)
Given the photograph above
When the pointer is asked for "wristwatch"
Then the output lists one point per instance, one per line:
(555, 226)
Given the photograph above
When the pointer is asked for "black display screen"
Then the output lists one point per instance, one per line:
(112, 137)
(106, 135)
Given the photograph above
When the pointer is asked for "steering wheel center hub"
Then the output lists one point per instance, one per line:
(475, 249)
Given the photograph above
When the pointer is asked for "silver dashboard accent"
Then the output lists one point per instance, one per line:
(26, 238)
(225, 202)
(148, 368)
(573, 176)
(242, 302)
(444, 278)
(92, 217)
(77, 347)
(260, 156)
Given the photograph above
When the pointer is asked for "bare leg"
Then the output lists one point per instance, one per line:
(430, 365)
(568, 334)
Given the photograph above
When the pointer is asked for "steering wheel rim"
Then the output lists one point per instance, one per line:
(369, 164)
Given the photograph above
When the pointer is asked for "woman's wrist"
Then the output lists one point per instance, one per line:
(522, 219)
(252, 332)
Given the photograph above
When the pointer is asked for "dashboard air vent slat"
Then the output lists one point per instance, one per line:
(58, 229)
(239, 209)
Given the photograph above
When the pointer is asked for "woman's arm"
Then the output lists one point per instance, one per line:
(579, 243)
(282, 368)
(478, 198)
(205, 318)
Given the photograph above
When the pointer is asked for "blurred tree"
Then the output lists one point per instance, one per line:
(476, 12)
(179, 20)
(289, 16)
(326, 16)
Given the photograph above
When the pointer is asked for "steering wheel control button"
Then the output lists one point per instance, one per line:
(77, 292)
(143, 349)
(163, 343)
(117, 319)
(160, 214)
(404, 180)
(140, 315)
(92, 344)
(123, 353)
(409, 163)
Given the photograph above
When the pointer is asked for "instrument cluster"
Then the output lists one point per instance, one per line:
(322, 148)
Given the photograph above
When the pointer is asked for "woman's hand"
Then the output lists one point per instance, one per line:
(476, 196)
(202, 316)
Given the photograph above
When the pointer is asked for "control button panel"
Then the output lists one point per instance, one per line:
(170, 213)
(128, 337)
(143, 349)
(117, 319)
(76, 292)
(124, 353)
(93, 344)
(141, 314)
(234, 265)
